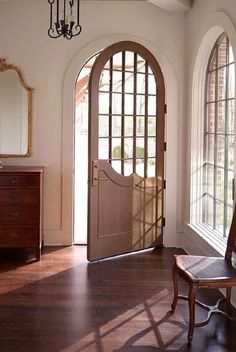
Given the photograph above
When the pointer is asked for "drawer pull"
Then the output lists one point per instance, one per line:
(15, 181)
(13, 234)
(15, 213)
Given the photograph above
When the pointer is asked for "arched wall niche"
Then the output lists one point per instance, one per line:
(171, 85)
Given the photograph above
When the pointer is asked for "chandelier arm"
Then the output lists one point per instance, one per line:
(51, 4)
(50, 33)
(80, 29)
(65, 11)
(58, 10)
(78, 3)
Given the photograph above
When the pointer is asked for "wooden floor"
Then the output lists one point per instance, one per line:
(65, 304)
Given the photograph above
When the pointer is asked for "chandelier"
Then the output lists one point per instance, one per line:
(64, 18)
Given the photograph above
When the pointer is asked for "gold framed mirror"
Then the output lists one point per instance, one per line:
(15, 112)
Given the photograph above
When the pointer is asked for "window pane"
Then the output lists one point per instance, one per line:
(231, 55)
(213, 62)
(117, 61)
(128, 148)
(116, 125)
(140, 64)
(129, 61)
(116, 148)
(211, 86)
(209, 212)
(103, 148)
(103, 126)
(107, 65)
(116, 103)
(230, 140)
(103, 103)
(151, 147)
(139, 148)
(104, 81)
(140, 167)
(140, 104)
(128, 120)
(231, 81)
(221, 117)
(211, 117)
(151, 85)
(150, 70)
(221, 83)
(220, 140)
(231, 112)
(128, 167)
(210, 148)
(230, 177)
(220, 184)
(151, 105)
(220, 217)
(210, 179)
(152, 125)
(117, 81)
(116, 164)
(222, 52)
(140, 125)
(129, 104)
(141, 78)
(129, 82)
(151, 171)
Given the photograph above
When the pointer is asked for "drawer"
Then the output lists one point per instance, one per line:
(13, 180)
(18, 195)
(18, 236)
(19, 214)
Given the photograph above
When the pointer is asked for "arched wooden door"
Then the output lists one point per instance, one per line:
(126, 151)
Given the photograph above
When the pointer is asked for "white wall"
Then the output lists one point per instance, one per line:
(50, 66)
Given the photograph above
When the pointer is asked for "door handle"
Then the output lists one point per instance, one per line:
(95, 177)
(95, 173)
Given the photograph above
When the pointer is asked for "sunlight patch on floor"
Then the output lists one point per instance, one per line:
(152, 330)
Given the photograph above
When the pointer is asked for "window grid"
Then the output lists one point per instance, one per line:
(218, 217)
(141, 140)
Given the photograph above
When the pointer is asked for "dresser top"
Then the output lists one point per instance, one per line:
(21, 169)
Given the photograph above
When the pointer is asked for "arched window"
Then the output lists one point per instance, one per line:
(219, 129)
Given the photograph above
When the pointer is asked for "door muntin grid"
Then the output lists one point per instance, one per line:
(127, 132)
(219, 138)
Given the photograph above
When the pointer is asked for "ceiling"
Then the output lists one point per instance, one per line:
(173, 5)
(168, 5)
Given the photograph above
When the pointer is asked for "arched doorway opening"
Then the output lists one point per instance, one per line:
(120, 117)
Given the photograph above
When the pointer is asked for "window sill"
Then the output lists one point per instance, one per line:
(210, 237)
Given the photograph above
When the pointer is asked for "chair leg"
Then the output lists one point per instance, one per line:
(228, 299)
(175, 282)
(191, 303)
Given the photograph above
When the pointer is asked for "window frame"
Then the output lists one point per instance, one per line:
(204, 221)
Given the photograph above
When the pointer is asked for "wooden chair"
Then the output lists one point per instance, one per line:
(208, 272)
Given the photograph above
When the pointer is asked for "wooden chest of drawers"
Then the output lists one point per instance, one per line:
(21, 190)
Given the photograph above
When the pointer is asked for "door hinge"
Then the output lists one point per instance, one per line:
(163, 222)
(164, 184)
(165, 147)
(165, 108)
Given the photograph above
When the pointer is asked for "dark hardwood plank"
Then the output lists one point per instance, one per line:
(122, 304)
